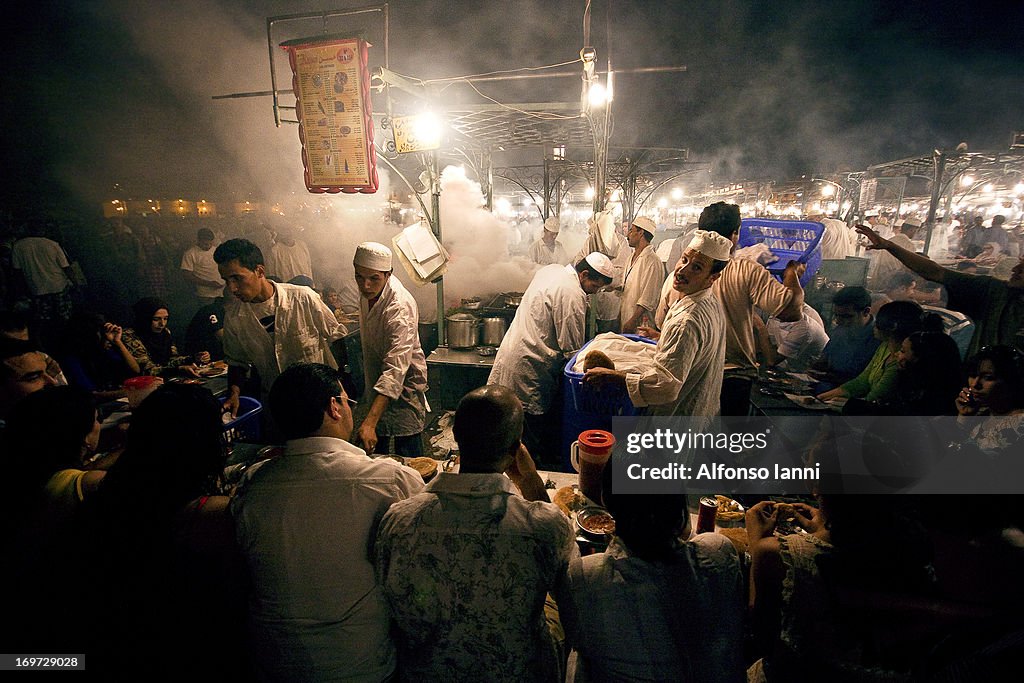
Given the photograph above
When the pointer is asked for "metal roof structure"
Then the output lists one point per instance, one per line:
(510, 126)
(1007, 162)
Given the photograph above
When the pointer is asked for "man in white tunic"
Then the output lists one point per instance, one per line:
(267, 324)
(548, 249)
(394, 367)
(691, 344)
(644, 276)
(548, 327)
(289, 257)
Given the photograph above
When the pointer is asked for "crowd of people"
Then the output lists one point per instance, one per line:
(326, 563)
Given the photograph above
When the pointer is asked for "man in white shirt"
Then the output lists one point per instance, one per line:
(266, 324)
(548, 249)
(644, 276)
(289, 257)
(547, 329)
(46, 272)
(691, 344)
(201, 270)
(304, 522)
(885, 264)
(394, 367)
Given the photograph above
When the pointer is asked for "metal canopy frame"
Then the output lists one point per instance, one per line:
(944, 167)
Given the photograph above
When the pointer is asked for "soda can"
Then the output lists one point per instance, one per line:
(706, 515)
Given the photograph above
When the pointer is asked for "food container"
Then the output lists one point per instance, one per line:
(595, 524)
(492, 331)
(138, 388)
(472, 303)
(462, 330)
(513, 299)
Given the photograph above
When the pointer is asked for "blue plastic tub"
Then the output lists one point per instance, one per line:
(585, 409)
(789, 240)
(246, 425)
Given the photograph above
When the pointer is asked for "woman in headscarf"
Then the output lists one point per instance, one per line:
(149, 341)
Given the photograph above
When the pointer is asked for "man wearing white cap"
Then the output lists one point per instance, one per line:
(644, 275)
(394, 367)
(269, 325)
(692, 341)
(548, 249)
(743, 285)
(547, 329)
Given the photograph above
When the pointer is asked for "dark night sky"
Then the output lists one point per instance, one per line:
(111, 91)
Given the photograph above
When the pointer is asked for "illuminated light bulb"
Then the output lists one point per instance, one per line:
(427, 129)
(989, 187)
(827, 191)
(662, 203)
(502, 205)
(967, 180)
(589, 193)
(597, 96)
(677, 194)
(1018, 188)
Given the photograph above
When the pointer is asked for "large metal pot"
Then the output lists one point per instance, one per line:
(494, 329)
(461, 330)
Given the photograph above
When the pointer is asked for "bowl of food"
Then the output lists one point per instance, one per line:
(595, 524)
(730, 513)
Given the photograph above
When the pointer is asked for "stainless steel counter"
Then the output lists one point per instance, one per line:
(453, 373)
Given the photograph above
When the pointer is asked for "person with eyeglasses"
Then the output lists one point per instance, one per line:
(304, 521)
(852, 341)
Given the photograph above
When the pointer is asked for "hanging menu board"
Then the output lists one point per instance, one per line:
(331, 83)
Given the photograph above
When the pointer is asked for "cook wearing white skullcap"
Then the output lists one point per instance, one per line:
(711, 244)
(645, 224)
(601, 263)
(552, 224)
(373, 255)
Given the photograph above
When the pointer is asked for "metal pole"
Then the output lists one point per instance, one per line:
(488, 164)
(939, 161)
(899, 201)
(435, 220)
(546, 213)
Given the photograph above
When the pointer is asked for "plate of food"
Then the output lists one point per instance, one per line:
(730, 513)
(810, 402)
(214, 370)
(569, 499)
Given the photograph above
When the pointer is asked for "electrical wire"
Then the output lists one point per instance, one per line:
(544, 116)
(496, 73)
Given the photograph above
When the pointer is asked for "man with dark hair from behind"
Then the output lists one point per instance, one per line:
(466, 564)
(304, 522)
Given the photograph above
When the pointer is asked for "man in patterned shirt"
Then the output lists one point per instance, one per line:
(466, 565)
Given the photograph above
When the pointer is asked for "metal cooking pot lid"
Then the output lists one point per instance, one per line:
(460, 317)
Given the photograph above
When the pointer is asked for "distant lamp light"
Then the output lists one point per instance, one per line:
(588, 193)
(828, 190)
(989, 187)
(676, 194)
(502, 205)
(1018, 188)
(662, 203)
(967, 180)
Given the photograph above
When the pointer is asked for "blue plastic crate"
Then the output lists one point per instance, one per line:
(246, 425)
(789, 240)
(607, 402)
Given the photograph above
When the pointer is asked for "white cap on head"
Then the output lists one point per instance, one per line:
(601, 264)
(552, 224)
(711, 244)
(645, 223)
(373, 255)
(871, 214)
(915, 222)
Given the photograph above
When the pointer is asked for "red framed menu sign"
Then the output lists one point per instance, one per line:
(331, 83)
